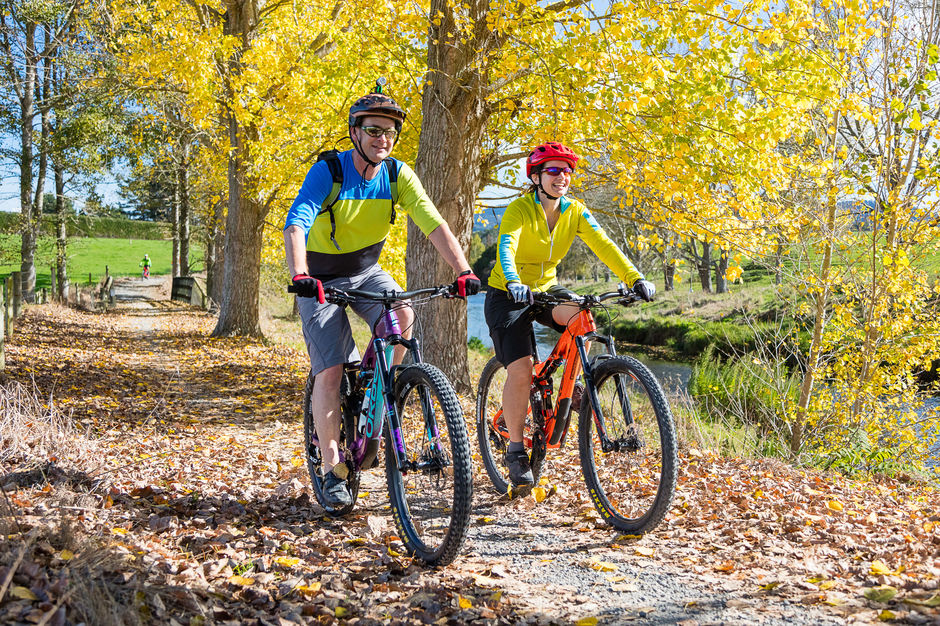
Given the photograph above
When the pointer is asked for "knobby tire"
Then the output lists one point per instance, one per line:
(431, 506)
(492, 444)
(631, 488)
(314, 459)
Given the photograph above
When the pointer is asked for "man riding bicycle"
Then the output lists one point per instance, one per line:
(334, 239)
(535, 234)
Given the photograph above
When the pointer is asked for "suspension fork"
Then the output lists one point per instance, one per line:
(590, 387)
(399, 451)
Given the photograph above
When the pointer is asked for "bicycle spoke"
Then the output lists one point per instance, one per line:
(431, 486)
(631, 475)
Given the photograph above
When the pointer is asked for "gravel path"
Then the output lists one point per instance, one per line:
(546, 565)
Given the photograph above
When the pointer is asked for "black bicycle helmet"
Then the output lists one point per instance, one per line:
(376, 103)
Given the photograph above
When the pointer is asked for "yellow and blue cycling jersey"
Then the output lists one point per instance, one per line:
(362, 212)
(529, 252)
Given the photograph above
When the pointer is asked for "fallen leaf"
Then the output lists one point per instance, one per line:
(22, 593)
(878, 568)
(644, 550)
(309, 590)
(242, 581)
(586, 621)
(463, 602)
(834, 505)
(881, 593)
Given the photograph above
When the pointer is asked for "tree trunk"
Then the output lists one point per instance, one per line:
(452, 133)
(238, 314)
(61, 242)
(28, 229)
(669, 276)
(705, 267)
(184, 217)
(175, 226)
(214, 243)
(721, 271)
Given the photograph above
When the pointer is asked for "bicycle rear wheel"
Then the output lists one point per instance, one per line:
(315, 460)
(431, 492)
(492, 435)
(632, 482)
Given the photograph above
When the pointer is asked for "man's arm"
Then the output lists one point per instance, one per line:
(295, 248)
(448, 247)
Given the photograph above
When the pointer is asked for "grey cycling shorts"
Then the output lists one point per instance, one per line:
(326, 328)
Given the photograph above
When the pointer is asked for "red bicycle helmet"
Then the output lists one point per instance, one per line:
(377, 103)
(549, 151)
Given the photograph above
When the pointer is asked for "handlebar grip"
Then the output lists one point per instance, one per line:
(292, 289)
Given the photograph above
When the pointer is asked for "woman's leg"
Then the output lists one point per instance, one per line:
(516, 396)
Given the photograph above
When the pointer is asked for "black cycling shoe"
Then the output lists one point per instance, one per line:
(520, 474)
(335, 491)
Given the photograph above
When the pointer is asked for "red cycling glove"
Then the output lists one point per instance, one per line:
(309, 287)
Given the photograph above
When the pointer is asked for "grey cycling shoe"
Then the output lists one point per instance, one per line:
(520, 474)
(336, 491)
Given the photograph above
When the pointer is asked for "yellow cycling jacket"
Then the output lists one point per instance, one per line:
(529, 252)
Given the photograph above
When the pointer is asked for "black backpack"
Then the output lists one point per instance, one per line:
(336, 173)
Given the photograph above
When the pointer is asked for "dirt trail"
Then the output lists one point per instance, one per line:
(198, 495)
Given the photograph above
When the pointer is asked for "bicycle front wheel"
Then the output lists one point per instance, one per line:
(431, 487)
(630, 473)
(492, 433)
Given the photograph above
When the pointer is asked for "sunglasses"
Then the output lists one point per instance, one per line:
(376, 131)
(555, 171)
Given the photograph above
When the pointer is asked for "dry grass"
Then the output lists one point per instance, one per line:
(33, 432)
(40, 449)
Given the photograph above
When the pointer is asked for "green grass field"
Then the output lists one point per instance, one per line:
(90, 256)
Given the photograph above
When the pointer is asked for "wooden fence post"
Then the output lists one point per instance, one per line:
(8, 307)
(3, 357)
(17, 294)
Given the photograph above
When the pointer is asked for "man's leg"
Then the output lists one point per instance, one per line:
(324, 405)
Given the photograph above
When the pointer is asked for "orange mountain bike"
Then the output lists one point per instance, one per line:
(626, 437)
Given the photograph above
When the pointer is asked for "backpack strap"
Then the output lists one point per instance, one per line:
(336, 173)
(392, 168)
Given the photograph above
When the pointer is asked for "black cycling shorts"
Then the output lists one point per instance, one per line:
(512, 333)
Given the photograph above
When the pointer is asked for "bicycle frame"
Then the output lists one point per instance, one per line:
(572, 350)
(383, 407)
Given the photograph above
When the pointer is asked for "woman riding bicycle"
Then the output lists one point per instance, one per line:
(535, 234)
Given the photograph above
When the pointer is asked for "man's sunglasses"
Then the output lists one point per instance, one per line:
(555, 171)
(376, 131)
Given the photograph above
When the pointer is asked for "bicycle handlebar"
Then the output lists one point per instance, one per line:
(624, 294)
(345, 296)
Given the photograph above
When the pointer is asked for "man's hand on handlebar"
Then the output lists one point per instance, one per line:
(467, 284)
(308, 287)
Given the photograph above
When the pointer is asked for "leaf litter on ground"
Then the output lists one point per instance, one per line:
(164, 463)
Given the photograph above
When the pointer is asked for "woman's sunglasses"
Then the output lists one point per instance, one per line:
(555, 171)
(375, 131)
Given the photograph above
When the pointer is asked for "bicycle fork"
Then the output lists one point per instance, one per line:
(631, 443)
(433, 458)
